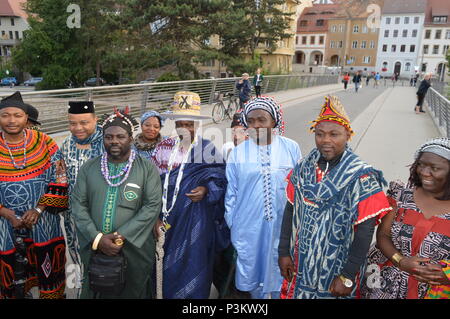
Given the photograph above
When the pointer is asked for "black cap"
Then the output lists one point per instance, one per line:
(33, 114)
(81, 107)
(14, 100)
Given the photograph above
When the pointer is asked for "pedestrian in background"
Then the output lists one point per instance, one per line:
(421, 92)
(257, 81)
(357, 81)
(346, 80)
(245, 88)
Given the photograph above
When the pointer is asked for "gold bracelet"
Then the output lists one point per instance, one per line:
(397, 258)
(96, 241)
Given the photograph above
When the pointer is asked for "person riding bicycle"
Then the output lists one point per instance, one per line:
(245, 88)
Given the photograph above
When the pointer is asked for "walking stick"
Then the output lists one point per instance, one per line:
(159, 262)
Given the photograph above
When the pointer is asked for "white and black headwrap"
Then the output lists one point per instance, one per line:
(267, 104)
(439, 146)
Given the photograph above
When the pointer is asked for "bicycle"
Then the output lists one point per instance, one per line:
(220, 111)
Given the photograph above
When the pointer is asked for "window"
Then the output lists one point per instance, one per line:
(356, 29)
(425, 49)
(416, 20)
(312, 40)
(352, 60)
(304, 39)
(440, 19)
(444, 52)
(414, 33)
(17, 34)
(319, 23)
(341, 28)
(365, 29)
(408, 66)
(355, 44)
(210, 62)
(424, 67)
(384, 47)
(438, 34)
(388, 20)
(394, 48)
(397, 20)
(412, 48)
(372, 44)
(341, 44)
(435, 49)
(11, 35)
(321, 39)
(406, 20)
(402, 48)
(366, 59)
(333, 28)
(304, 23)
(395, 33)
(427, 34)
(363, 44)
(447, 35)
(12, 22)
(332, 44)
(296, 39)
(386, 33)
(405, 33)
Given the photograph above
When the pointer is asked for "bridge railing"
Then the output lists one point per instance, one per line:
(52, 105)
(440, 109)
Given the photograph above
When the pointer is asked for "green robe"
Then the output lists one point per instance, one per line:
(137, 207)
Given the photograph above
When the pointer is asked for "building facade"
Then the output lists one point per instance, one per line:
(352, 44)
(401, 32)
(13, 22)
(436, 39)
(311, 38)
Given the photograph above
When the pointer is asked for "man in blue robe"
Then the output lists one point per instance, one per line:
(255, 200)
(193, 177)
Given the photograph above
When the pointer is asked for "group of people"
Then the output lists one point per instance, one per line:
(147, 216)
(357, 80)
(244, 87)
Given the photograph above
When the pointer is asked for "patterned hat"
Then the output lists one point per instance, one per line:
(267, 104)
(121, 118)
(333, 111)
(439, 146)
(186, 106)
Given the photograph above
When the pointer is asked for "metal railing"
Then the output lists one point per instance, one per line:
(52, 105)
(440, 108)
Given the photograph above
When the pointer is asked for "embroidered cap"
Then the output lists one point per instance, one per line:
(333, 111)
(81, 107)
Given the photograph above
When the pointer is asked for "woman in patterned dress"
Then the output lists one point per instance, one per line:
(412, 257)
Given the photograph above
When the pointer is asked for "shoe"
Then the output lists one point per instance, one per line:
(421, 111)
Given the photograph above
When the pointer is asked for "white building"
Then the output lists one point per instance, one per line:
(13, 22)
(436, 39)
(402, 27)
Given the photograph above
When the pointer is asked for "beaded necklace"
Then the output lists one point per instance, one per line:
(165, 210)
(124, 171)
(24, 151)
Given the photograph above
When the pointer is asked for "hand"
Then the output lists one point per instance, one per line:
(241, 81)
(10, 216)
(30, 218)
(107, 246)
(287, 267)
(197, 194)
(431, 274)
(409, 264)
(338, 289)
(157, 229)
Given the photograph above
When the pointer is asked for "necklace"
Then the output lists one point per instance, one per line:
(24, 161)
(124, 171)
(173, 154)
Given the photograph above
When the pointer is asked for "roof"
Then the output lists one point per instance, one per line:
(405, 6)
(317, 12)
(12, 8)
(437, 8)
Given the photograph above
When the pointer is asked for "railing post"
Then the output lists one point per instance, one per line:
(89, 95)
(213, 90)
(144, 100)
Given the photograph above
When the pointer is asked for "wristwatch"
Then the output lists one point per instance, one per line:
(347, 282)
